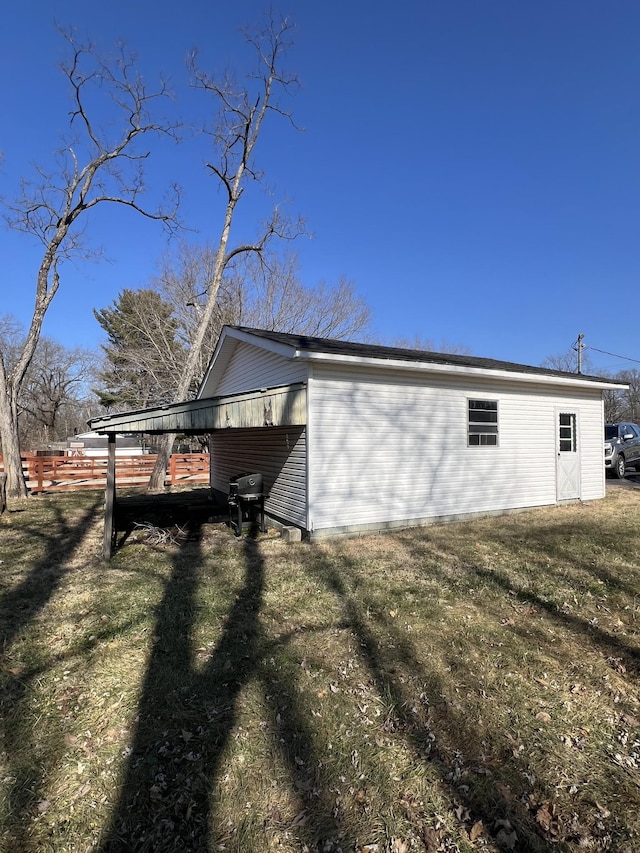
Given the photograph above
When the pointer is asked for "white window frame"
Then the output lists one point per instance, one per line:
(475, 427)
(568, 432)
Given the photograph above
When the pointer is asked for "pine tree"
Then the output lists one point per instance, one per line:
(142, 353)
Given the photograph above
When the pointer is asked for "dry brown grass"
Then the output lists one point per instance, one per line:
(460, 687)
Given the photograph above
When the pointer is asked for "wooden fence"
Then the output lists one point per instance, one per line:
(56, 473)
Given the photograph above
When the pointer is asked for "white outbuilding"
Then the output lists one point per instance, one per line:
(351, 437)
(395, 437)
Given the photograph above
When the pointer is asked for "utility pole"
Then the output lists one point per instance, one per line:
(578, 346)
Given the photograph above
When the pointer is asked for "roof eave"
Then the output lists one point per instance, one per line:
(459, 370)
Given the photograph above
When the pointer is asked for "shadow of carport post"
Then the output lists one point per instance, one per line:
(109, 499)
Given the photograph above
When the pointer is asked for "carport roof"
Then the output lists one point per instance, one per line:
(284, 405)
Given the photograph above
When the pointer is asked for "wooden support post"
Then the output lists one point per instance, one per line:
(3, 492)
(110, 499)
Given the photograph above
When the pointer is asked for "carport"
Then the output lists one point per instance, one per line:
(281, 406)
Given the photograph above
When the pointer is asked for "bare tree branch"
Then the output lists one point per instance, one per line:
(259, 290)
(97, 168)
(241, 112)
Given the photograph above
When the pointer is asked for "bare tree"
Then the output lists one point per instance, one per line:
(265, 293)
(99, 166)
(56, 384)
(618, 405)
(429, 345)
(629, 400)
(614, 407)
(568, 361)
(184, 280)
(271, 295)
(241, 112)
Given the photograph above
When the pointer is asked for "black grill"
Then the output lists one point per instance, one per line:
(246, 485)
(246, 501)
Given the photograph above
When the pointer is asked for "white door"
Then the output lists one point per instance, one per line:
(568, 456)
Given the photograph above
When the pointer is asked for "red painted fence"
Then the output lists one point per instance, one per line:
(55, 473)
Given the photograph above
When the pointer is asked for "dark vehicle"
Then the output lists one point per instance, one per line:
(621, 448)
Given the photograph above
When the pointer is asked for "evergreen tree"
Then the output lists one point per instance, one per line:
(142, 352)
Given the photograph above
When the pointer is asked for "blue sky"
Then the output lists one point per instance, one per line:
(471, 165)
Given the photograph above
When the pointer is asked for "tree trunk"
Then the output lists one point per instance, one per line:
(240, 122)
(156, 480)
(16, 484)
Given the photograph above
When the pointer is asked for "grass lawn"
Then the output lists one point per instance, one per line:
(460, 687)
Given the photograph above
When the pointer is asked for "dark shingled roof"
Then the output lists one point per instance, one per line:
(359, 350)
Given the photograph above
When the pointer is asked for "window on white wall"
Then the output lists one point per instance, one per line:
(483, 423)
(568, 434)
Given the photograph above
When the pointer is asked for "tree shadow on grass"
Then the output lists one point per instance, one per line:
(21, 604)
(187, 716)
(18, 608)
(543, 558)
(432, 727)
(609, 644)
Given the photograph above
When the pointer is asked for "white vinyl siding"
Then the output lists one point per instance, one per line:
(394, 450)
(279, 453)
(251, 368)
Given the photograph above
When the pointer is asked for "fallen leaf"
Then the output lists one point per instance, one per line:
(369, 848)
(393, 613)
(300, 819)
(431, 839)
(398, 845)
(506, 791)
(43, 806)
(630, 720)
(543, 716)
(476, 831)
(544, 816)
(361, 796)
(462, 813)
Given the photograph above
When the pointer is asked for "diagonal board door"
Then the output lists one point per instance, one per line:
(568, 456)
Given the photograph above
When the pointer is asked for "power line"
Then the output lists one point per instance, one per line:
(612, 354)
